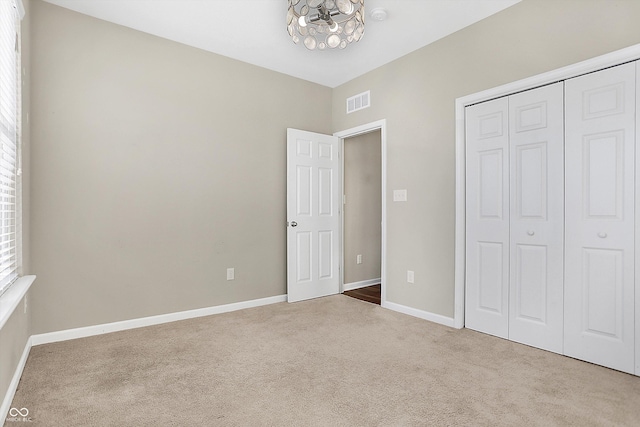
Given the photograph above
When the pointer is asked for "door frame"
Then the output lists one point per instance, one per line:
(349, 133)
(617, 57)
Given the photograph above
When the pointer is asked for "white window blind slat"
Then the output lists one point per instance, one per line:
(9, 139)
(8, 279)
(7, 239)
(5, 180)
(8, 259)
(7, 265)
(8, 164)
(6, 253)
(7, 262)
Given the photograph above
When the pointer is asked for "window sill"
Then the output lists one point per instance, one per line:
(11, 298)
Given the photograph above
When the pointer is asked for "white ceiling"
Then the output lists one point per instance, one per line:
(258, 34)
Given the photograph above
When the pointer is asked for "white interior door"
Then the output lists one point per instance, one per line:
(599, 270)
(536, 123)
(313, 215)
(487, 171)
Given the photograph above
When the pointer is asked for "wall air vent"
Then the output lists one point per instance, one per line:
(359, 101)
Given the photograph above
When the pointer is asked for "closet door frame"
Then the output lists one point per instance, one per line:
(618, 57)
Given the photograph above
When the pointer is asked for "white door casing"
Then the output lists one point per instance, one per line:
(487, 238)
(350, 133)
(599, 247)
(536, 145)
(313, 215)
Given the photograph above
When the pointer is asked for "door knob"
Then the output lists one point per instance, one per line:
(602, 235)
(294, 224)
(530, 233)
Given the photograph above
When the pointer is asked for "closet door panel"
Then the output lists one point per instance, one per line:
(600, 183)
(537, 217)
(487, 278)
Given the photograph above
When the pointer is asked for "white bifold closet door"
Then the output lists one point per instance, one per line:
(536, 136)
(515, 217)
(599, 271)
(487, 193)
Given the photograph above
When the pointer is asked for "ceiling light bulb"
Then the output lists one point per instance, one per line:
(302, 21)
(333, 27)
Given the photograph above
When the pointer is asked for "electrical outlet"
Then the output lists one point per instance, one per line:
(358, 259)
(231, 273)
(410, 276)
(399, 195)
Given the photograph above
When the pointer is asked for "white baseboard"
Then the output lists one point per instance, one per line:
(106, 328)
(13, 386)
(432, 317)
(361, 284)
(70, 334)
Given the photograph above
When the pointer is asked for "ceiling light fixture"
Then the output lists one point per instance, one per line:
(322, 24)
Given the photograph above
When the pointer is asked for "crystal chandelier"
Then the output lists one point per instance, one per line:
(322, 24)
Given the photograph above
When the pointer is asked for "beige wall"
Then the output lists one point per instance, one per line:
(416, 95)
(155, 167)
(16, 332)
(363, 208)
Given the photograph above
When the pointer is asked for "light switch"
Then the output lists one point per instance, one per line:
(410, 276)
(231, 273)
(399, 195)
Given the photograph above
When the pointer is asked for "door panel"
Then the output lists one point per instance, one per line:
(602, 288)
(313, 217)
(603, 178)
(325, 267)
(490, 281)
(599, 252)
(325, 192)
(487, 278)
(491, 192)
(303, 191)
(531, 181)
(532, 282)
(537, 214)
(303, 256)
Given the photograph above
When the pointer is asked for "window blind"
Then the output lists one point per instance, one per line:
(9, 138)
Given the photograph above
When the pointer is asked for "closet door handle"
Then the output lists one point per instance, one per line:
(602, 235)
(531, 232)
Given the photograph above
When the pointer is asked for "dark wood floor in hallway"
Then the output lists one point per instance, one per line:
(369, 293)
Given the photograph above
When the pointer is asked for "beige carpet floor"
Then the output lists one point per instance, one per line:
(333, 361)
